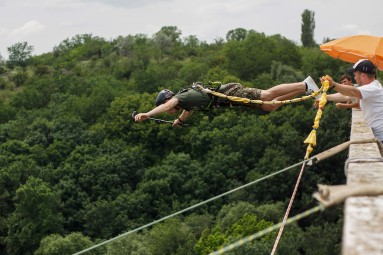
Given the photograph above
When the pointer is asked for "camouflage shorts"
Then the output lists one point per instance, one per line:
(238, 90)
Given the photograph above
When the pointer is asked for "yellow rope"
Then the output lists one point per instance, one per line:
(249, 101)
(312, 138)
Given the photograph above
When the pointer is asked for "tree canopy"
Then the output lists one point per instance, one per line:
(76, 169)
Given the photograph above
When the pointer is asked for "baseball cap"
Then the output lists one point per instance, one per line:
(364, 66)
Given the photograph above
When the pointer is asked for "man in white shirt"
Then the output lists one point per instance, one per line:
(369, 92)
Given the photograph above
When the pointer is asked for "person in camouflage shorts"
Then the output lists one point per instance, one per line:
(237, 90)
(191, 99)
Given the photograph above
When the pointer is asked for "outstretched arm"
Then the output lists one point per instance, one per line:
(159, 109)
(347, 105)
(338, 97)
(346, 90)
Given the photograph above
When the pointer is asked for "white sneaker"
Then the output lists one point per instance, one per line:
(311, 86)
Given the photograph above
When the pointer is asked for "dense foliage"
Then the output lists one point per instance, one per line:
(75, 169)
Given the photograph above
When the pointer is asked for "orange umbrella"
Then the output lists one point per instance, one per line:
(353, 48)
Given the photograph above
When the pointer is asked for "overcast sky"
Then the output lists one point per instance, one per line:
(46, 23)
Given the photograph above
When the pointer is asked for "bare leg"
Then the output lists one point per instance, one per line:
(283, 90)
(273, 107)
(288, 96)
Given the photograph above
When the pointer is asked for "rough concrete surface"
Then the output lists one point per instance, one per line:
(363, 216)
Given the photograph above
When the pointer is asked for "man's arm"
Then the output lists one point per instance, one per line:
(159, 109)
(184, 115)
(347, 105)
(338, 97)
(346, 90)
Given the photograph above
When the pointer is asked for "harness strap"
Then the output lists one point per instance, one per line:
(209, 91)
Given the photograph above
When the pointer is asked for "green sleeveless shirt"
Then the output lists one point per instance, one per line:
(194, 99)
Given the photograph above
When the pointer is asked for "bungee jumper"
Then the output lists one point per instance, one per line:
(197, 98)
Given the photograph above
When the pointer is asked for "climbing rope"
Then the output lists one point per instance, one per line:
(268, 230)
(288, 211)
(311, 140)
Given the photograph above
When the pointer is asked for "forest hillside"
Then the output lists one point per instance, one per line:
(76, 170)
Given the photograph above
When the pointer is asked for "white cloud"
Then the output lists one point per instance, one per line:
(29, 28)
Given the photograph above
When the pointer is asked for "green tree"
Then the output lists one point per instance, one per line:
(168, 182)
(91, 178)
(307, 28)
(19, 76)
(37, 214)
(172, 32)
(134, 244)
(237, 34)
(56, 244)
(192, 45)
(136, 51)
(241, 219)
(285, 73)
(172, 237)
(7, 112)
(324, 239)
(100, 219)
(81, 46)
(19, 54)
(248, 224)
(36, 95)
(90, 107)
(193, 71)
(167, 38)
(254, 55)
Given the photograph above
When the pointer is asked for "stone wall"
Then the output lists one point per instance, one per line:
(363, 216)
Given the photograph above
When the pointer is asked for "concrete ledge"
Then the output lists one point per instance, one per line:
(363, 228)
(363, 216)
